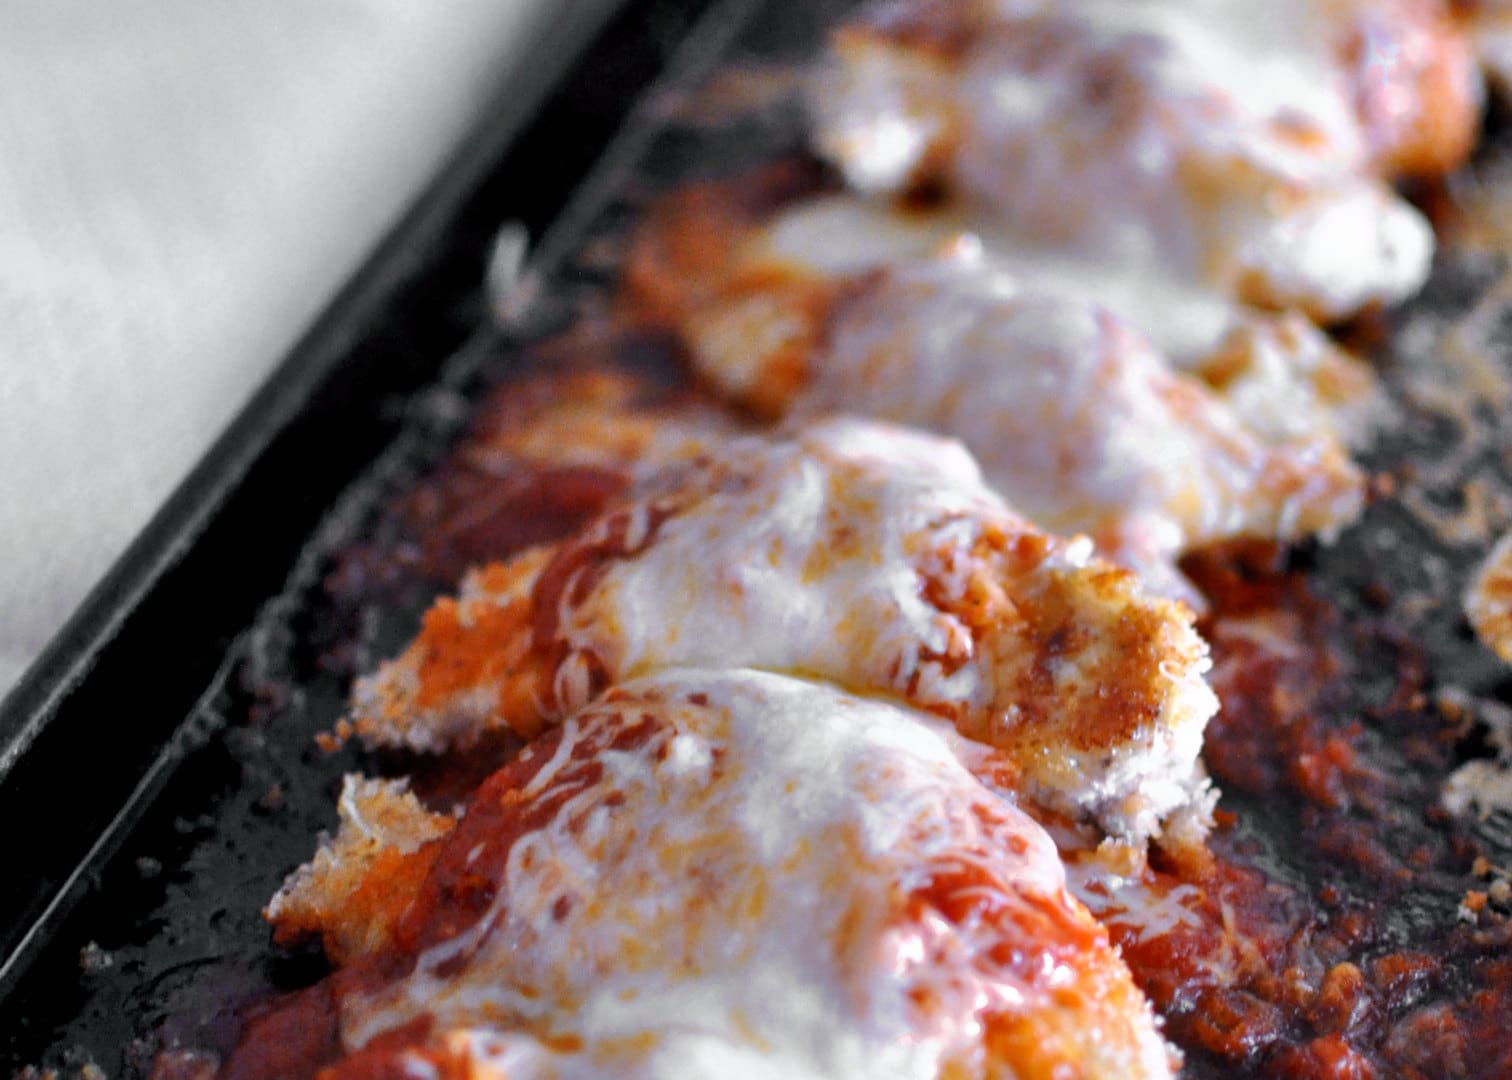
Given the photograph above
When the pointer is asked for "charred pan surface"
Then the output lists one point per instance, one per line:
(1349, 924)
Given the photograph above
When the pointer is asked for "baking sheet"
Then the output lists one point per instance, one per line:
(168, 946)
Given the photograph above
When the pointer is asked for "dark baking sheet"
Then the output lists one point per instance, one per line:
(165, 746)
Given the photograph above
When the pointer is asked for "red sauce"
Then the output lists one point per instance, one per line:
(297, 1035)
(287, 1040)
(967, 892)
(1300, 958)
(480, 515)
(377, 1060)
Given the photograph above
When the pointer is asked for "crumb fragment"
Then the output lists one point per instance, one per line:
(1488, 601)
(272, 800)
(1483, 786)
(349, 893)
(93, 959)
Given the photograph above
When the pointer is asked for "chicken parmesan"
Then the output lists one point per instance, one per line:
(1248, 146)
(852, 551)
(1074, 418)
(717, 873)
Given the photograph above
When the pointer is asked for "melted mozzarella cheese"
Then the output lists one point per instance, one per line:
(737, 874)
(843, 236)
(869, 555)
(1220, 139)
(1077, 421)
(1292, 385)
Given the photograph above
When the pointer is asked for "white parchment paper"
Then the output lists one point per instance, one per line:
(183, 186)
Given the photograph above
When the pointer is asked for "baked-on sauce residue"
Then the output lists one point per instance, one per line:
(1346, 926)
